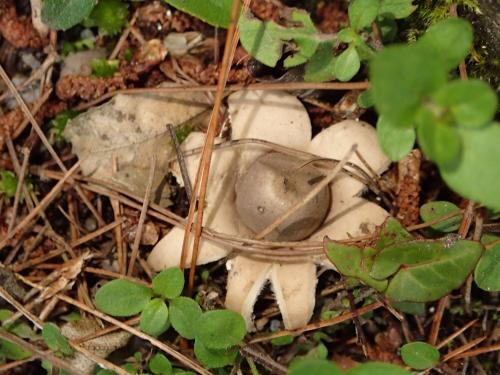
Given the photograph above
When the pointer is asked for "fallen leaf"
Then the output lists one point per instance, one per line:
(132, 129)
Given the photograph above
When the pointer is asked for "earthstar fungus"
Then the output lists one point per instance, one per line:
(250, 187)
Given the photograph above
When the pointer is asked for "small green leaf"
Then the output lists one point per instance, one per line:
(365, 99)
(8, 183)
(122, 298)
(320, 67)
(434, 210)
(214, 358)
(354, 262)
(395, 141)
(391, 233)
(396, 8)
(12, 351)
(23, 330)
(214, 12)
(154, 317)
(473, 103)
(419, 355)
(439, 141)
(362, 13)
(347, 35)
(398, 92)
(314, 366)
(282, 341)
(477, 175)
(220, 329)
(5, 314)
(414, 308)
(59, 122)
(184, 313)
(160, 365)
(487, 272)
(347, 64)
(434, 273)
(55, 340)
(377, 368)
(110, 16)
(103, 67)
(169, 283)
(450, 40)
(63, 14)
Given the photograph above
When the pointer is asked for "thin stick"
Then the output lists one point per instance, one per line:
(44, 139)
(455, 334)
(436, 321)
(181, 161)
(6, 296)
(41, 206)
(463, 348)
(478, 351)
(96, 233)
(320, 186)
(142, 217)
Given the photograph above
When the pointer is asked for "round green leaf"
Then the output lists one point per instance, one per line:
(169, 283)
(434, 210)
(347, 64)
(283, 340)
(184, 313)
(160, 365)
(214, 358)
(419, 355)
(321, 65)
(396, 141)
(220, 329)
(487, 273)
(396, 8)
(314, 366)
(477, 175)
(12, 351)
(377, 368)
(473, 103)
(362, 13)
(154, 317)
(365, 99)
(122, 298)
(55, 340)
(63, 14)
(450, 39)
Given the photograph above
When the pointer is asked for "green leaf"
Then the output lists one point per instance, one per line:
(398, 92)
(477, 175)
(365, 99)
(396, 8)
(55, 340)
(388, 28)
(110, 16)
(439, 141)
(154, 317)
(473, 103)
(434, 210)
(347, 64)
(160, 365)
(265, 40)
(184, 313)
(354, 262)
(377, 368)
(12, 351)
(103, 67)
(419, 355)
(320, 67)
(59, 122)
(214, 12)
(314, 366)
(414, 308)
(431, 274)
(8, 183)
(395, 141)
(23, 330)
(347, 35)
(122, 298)
(214, 358)
(450, 40)
(220, 329)
(5, 314)
(282, 341)
(362, 13)
(487, 272)
(169, 283)
(391, 233)
(63, 14)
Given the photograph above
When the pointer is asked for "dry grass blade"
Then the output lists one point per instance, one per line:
(455, 334)
(463, 348)
(96, 233)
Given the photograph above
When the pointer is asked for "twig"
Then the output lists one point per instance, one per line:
(455, 334)
(41, 206)
(97, 233)
(436, 322)
(142, 217)
(181, 161)
(478, 351)
(463, 348)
